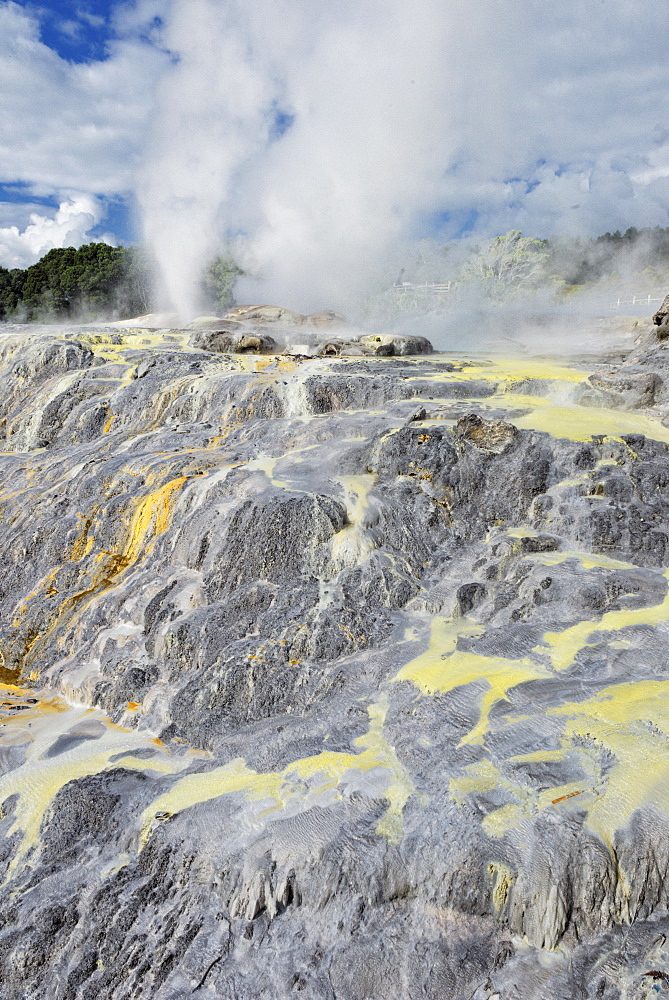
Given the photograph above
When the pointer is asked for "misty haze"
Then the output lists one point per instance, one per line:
(334, 419)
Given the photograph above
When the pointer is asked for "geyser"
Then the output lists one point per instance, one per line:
(316, 130)
(322, 135)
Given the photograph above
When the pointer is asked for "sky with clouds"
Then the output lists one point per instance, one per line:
(326, 131)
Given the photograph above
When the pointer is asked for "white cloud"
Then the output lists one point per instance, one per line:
(94, 20)
(67, 126)
(544, 117)
(536, 116)
(69, 226)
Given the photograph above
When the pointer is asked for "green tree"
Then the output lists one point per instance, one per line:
(508, 263)
(94, 281)
(218, 282)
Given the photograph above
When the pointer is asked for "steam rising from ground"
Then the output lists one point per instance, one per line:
(328, 133)
(315, 127)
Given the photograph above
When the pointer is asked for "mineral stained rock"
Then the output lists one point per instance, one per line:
(246, 330)
(336, 677)
(661, 320)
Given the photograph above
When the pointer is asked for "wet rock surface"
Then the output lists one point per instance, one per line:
(330, 676)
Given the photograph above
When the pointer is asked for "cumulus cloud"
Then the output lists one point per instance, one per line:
(67, 227)
(329, 132)
(72, 126)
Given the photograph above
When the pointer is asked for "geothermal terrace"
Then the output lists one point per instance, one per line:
(338, 676)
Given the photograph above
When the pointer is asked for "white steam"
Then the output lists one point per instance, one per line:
(210, 121)
(316, 128)
(324, 133)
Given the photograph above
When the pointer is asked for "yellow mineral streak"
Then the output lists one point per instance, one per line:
(502, 879)
(276, 790)
(83, 543)
(627, 725)
(553, 413)
(562, 647)
(632, 722)
(266, 464)
(269, 366)
(507, 371)
(149, 520)
(588, 560)
(400, 787)
(443, 668)
(576, 423)
(194, 788)
(103, 346)
(39, 779)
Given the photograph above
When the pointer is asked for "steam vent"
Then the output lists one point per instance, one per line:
(332, 668)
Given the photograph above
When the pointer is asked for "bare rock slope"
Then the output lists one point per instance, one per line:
(332, 677)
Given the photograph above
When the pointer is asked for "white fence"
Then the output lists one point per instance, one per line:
(427, 286)
(406, 289)
(636, 300)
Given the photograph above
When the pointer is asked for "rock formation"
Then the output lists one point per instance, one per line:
(660, 319)
(331, 677)
(272, 330)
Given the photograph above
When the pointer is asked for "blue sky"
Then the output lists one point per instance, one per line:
(76, 31)
(326, 131)
(75, 79)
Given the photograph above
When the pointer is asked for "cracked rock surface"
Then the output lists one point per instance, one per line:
(331, 677)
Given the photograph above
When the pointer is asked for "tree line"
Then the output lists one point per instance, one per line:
(97, 281)
(89, 282)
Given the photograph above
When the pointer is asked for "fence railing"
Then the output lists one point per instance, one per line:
(636, 300)
(438, 287)
(430, 286)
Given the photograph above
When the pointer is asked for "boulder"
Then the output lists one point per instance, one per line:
(342, 348)
(286, 317)
(486, 435)
(628, 390)
(233, 339)
(661, 315)
(212, 323)
(327, 318)
(392, 345)
(661, 320)
(265, 314)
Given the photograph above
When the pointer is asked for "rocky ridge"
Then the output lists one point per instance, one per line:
(331, 676)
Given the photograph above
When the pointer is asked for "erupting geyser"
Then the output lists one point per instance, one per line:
(257, 131)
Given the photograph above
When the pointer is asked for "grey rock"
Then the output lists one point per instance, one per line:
(330, 679)
(233, 338)
(662, 313)
(396, 344)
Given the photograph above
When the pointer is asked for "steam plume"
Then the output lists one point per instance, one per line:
(313, 127)
(325, 133)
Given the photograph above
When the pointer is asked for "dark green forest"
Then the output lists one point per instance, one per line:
(90, 282)
(97, 281)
